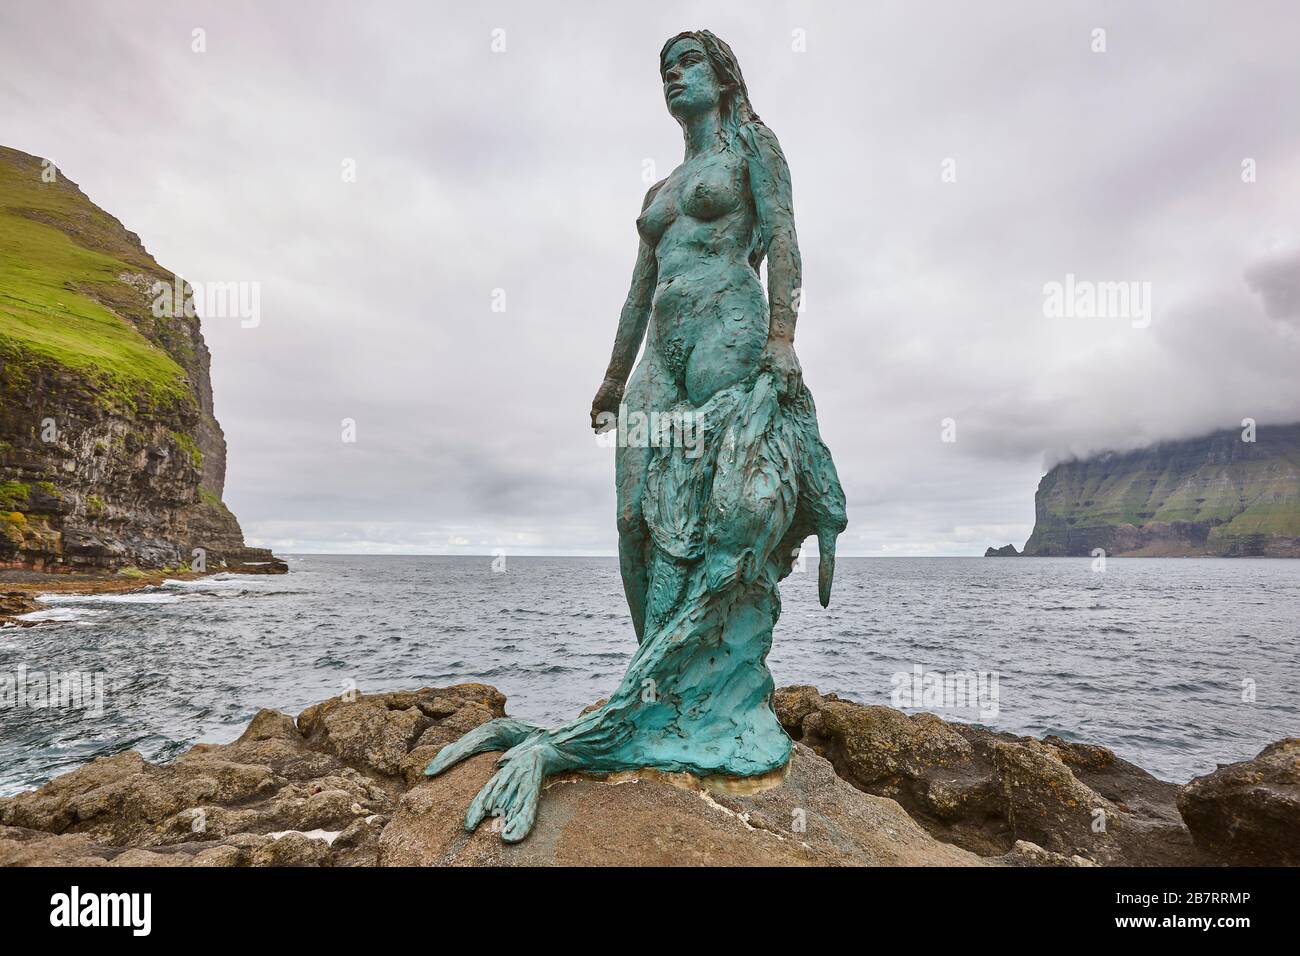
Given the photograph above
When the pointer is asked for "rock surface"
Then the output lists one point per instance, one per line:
(342, 785)
(812, 819)
(15, 603)
(986, 791)
(313, 792)
(1248, 813)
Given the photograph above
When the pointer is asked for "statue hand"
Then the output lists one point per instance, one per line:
(608, 398)
(780, 360)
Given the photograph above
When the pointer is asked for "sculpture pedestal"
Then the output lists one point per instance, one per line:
(715, 783)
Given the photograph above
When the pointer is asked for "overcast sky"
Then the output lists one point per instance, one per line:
(522, 170)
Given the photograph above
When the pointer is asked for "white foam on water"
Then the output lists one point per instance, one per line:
(61, 615)
(216, 582)
(148, 597)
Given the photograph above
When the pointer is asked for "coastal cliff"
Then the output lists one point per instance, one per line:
(110, 455)
(1217, 495)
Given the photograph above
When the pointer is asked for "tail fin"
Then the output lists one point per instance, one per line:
(826, 564)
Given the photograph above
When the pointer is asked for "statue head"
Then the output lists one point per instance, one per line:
(700, 73)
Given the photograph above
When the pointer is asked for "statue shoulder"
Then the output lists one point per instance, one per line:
(769, 173)
(762, 144)
(651, 193)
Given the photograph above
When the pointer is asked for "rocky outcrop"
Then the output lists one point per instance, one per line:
(1006, 551)
(110, 455)
(342, 785)
(16, 603)
(812, 819)
(314, 792)
(23, 591)
(987, 791)
(1218, 495)
(1248, 813)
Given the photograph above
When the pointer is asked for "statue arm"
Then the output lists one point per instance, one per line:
(769, 183)
(769, 179)
(634, 318)
(632, 323)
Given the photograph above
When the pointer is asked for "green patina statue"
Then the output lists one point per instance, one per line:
(706, 528)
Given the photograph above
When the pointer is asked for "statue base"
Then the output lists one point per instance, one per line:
(714, 783)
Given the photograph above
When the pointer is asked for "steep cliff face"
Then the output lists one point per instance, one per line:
(1216, 495)
(109, 453)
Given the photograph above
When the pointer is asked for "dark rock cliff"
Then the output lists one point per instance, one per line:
(109, 452)
(1212, 496)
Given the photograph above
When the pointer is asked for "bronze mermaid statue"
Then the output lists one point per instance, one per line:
(705, 532)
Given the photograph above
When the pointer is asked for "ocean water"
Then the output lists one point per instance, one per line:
(1175, 664)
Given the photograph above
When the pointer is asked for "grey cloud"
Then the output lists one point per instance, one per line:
(523, 171)
(1277, 281)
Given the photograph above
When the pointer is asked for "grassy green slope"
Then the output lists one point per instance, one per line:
(51, 289)
(1239, 489)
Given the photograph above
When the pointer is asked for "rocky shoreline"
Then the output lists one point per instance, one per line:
(342, 785)
(20, 589)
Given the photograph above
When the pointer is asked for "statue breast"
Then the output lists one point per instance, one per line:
(713, 192)
(704, 192)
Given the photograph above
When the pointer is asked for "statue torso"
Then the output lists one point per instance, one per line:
(708, 298)
(703, 207)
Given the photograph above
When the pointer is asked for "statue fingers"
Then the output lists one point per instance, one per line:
(476, 741)
(499, 734)
(521, 811)
(486, 801)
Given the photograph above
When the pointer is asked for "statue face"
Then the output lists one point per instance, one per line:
(690, 85)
